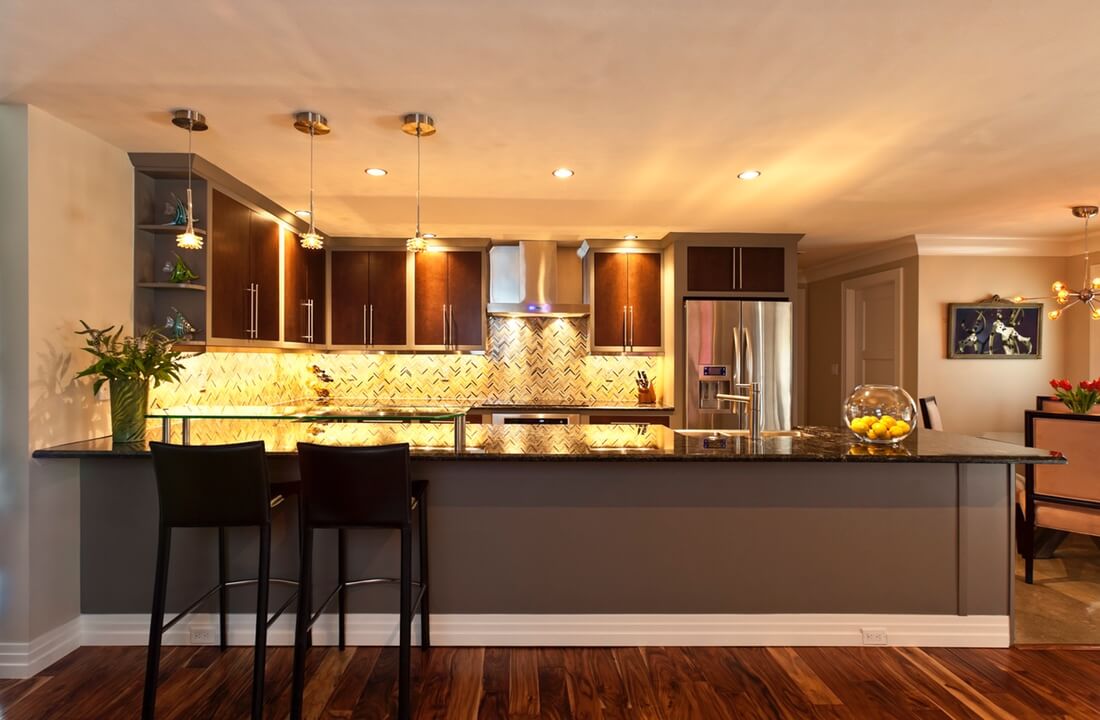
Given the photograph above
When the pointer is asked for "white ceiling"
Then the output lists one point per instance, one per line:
(870, 120)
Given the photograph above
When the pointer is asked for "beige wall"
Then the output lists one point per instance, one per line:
(824, 314)
(990, 395)
(67, 206)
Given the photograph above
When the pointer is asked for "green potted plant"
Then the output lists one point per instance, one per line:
(128, 364)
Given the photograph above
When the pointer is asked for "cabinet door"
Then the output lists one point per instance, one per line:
(264, 236)
(609, 299)
(387, 298)
(761, 269)
(294, 290)
(464, 298)
(430, 293)
(644, 283)
(350, 297)
(230, 300)
(314, 269)
(710, 268)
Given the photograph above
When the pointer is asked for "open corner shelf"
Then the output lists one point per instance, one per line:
(172, 286)
(168, 229)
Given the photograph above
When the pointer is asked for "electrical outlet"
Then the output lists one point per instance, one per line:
(874, 636)
(202, 636)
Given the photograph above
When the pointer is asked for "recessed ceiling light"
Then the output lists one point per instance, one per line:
(302, 213)
(563, 173)
(375, 172)
(630, 237)
(428, 235)
(749, 174)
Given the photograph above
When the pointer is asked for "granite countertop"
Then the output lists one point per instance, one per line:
(650, 408)
(434, 441)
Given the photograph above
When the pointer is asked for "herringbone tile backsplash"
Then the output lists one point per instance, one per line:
(527, 361)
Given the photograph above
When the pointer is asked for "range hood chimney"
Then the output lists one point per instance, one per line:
(523, 281)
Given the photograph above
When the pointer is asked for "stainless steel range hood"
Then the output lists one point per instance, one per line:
(524, 281)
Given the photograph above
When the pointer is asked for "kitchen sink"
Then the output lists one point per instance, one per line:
(741, 433)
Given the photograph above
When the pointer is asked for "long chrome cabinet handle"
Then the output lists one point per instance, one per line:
(631, 327)
(444, 326)
(256, 314)
(364, 324)
(372, 324)
(451, 324)
(624, 328)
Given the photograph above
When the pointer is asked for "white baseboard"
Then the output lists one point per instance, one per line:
(20, 660)
(594, 630)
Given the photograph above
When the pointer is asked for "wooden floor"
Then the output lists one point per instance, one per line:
(1063, 605)
(105, 683)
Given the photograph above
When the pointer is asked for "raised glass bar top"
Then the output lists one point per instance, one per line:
(318, 410)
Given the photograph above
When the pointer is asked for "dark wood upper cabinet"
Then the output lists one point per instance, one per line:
(644, 281)
(710, 268)
(450, 302)
(303, 293)
(368, 297)
(466, 312)
(626, 301)
(244, 251)
(762, 269)
(430, 292)
(610, 300)
(736, 269)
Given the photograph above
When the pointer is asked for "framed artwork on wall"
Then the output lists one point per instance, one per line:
(995, 330)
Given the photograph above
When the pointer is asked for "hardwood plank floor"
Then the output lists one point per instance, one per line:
(591, 683)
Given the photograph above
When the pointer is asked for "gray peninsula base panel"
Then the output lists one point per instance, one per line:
(621, 537)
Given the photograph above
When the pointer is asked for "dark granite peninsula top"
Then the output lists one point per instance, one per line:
(434, 441)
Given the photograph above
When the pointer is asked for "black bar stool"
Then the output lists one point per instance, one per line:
(360, 487)
(218, 486)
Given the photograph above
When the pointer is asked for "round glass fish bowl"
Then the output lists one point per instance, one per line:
(881, 414)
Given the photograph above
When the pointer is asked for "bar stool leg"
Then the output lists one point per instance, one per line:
(223, 591)
(156, 622)
(305, 604)
(422, 517)
(342, 578)
(405, 631)
(259, 660)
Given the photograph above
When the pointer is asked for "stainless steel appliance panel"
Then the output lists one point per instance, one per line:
(712, 338)
(767, 357)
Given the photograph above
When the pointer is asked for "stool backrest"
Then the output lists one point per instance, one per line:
(930, 413)
(348, 486)
(212, 485)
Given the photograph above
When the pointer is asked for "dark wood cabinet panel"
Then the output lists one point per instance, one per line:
(629, 420)
(609, 299)
(710, 268)
(387, 297)
(264, 235)
(644, 289)
(762, 269)
(464, 297)
(303, 284)
(231, 302)
(430, 293)
(350, 297)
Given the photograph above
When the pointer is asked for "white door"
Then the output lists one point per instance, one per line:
(871, 345)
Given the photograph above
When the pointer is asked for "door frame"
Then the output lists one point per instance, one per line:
(848, 289)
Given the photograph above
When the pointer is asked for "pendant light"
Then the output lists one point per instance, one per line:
(193, 121)
(313, 124)
(1089, 294)
(420, 125)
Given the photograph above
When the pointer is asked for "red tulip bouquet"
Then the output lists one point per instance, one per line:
(1078, 399)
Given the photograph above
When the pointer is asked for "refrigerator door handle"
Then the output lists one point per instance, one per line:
(736, 355)
(748, 365)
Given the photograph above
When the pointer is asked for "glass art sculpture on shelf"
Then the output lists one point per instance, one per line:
(179, 271)
(176, 210)
(178, 326)
(882, 414)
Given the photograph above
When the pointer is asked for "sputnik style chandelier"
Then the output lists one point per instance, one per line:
(193, 121)
(313, 124)
(1089, 294)
(420, 125)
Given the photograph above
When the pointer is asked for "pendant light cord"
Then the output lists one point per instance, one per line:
(1087, 273)
(190, 211)
(311, 225)
(418, 175)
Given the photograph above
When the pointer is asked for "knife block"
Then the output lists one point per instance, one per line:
(649, 395)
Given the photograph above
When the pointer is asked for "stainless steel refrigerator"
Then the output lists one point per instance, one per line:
(735, 341)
